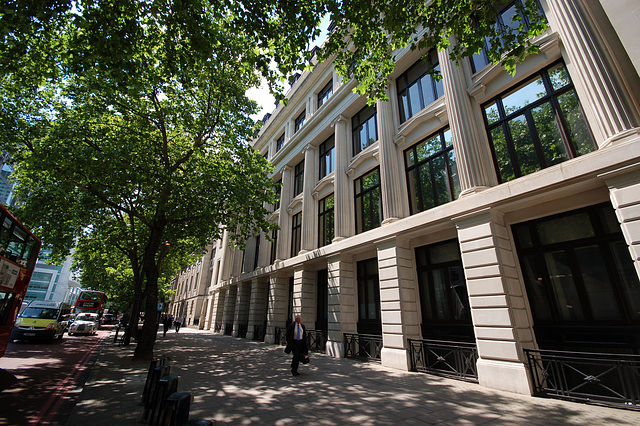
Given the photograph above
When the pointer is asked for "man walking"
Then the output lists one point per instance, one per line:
(178, 323)
(297, 343)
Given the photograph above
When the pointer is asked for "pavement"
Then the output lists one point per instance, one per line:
(242, 382)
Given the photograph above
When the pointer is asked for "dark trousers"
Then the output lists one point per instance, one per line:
(297, 353)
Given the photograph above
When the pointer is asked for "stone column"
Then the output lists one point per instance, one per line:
(257, 306)
(390, 173)
(342, 207)
(342, 302)
(218, 310)
(398, 301)
(501, 320)
(304, 295)
(624, 191)
(598, 82)
(229, 306)
(277, 306)
(467, 143)
(309, 216)
(284, 221)
(243, 298)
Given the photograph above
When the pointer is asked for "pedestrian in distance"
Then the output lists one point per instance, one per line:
(166, 324)
(297, 344)
(178, 323)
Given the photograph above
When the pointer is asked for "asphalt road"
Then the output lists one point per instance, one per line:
(50, 376)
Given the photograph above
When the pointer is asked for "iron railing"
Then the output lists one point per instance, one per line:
(451, 359)
(228, 328)
(259, 332)
(317, 340)
(363, 346)
(242, 330)
(611, 379)
(280, 336)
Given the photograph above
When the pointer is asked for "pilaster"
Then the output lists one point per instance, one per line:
(304, 295)
(598, 82)
(398, 302)
(229, 306)
(309, 216)
(471, 164)
(390, 174)
(624, 191)
(284, 220)
(241, 317)
(277, 306)
(342, 207)
(257, 306)
(342, 302)
(499, 307)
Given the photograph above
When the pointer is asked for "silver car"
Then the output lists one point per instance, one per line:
(84, 324)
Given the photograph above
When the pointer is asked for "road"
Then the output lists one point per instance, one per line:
(50, 376)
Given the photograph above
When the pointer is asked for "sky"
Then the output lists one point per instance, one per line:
(261, 95)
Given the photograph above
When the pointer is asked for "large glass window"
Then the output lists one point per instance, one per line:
(443, 292)
(299, 121)
(298, 178)
(537, 125)
(417, 88)
(369, 316)
(279, 143)
(507, 18)
(326, 153)
(326, 227)
(274, 246)
(276, 205)
(365, 129)
(325, 93)
(432, 173)
(296, 233)
(578, 273)
(368, 202)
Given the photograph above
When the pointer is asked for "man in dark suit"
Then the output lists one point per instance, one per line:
(297, 343)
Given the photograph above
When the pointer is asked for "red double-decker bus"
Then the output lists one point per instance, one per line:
(91, 301)
(19, 250)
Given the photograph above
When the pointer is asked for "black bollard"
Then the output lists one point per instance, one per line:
(177, 411)
(166, 386)
(155, 363)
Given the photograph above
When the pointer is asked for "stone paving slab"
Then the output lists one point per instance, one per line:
(241, 382)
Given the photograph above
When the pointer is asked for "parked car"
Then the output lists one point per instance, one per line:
(84, 324)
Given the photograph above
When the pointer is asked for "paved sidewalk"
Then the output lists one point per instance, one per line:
(237, 381)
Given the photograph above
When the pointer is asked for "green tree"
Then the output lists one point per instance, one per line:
(139, 139)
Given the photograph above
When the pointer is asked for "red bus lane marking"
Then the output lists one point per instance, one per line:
(64, 388)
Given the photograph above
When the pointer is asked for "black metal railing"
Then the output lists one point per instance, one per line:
(228, 328)
(280, 336)
(259, 331)
(363, 346)
(611, 379)
(242, 330)
(451, 359)
(317, 340)
(218, 327)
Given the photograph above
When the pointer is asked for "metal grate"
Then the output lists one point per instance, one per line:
(363, 346)
(451, 359)
(610, 379)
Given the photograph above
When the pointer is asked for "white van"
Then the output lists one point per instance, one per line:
(41, 321)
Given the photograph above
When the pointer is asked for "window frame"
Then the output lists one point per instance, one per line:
(403, 85)
(326, 156)
(280, 142)
(325, 93)
(296, 234)
(298, 179)
(361, 121)
(299, 121)
(359, 195)
(418, 166)
(326, 221)
(551, 97)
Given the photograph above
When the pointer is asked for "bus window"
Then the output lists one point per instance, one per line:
(6, 302)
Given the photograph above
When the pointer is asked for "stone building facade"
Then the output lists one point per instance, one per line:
(492, 210)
